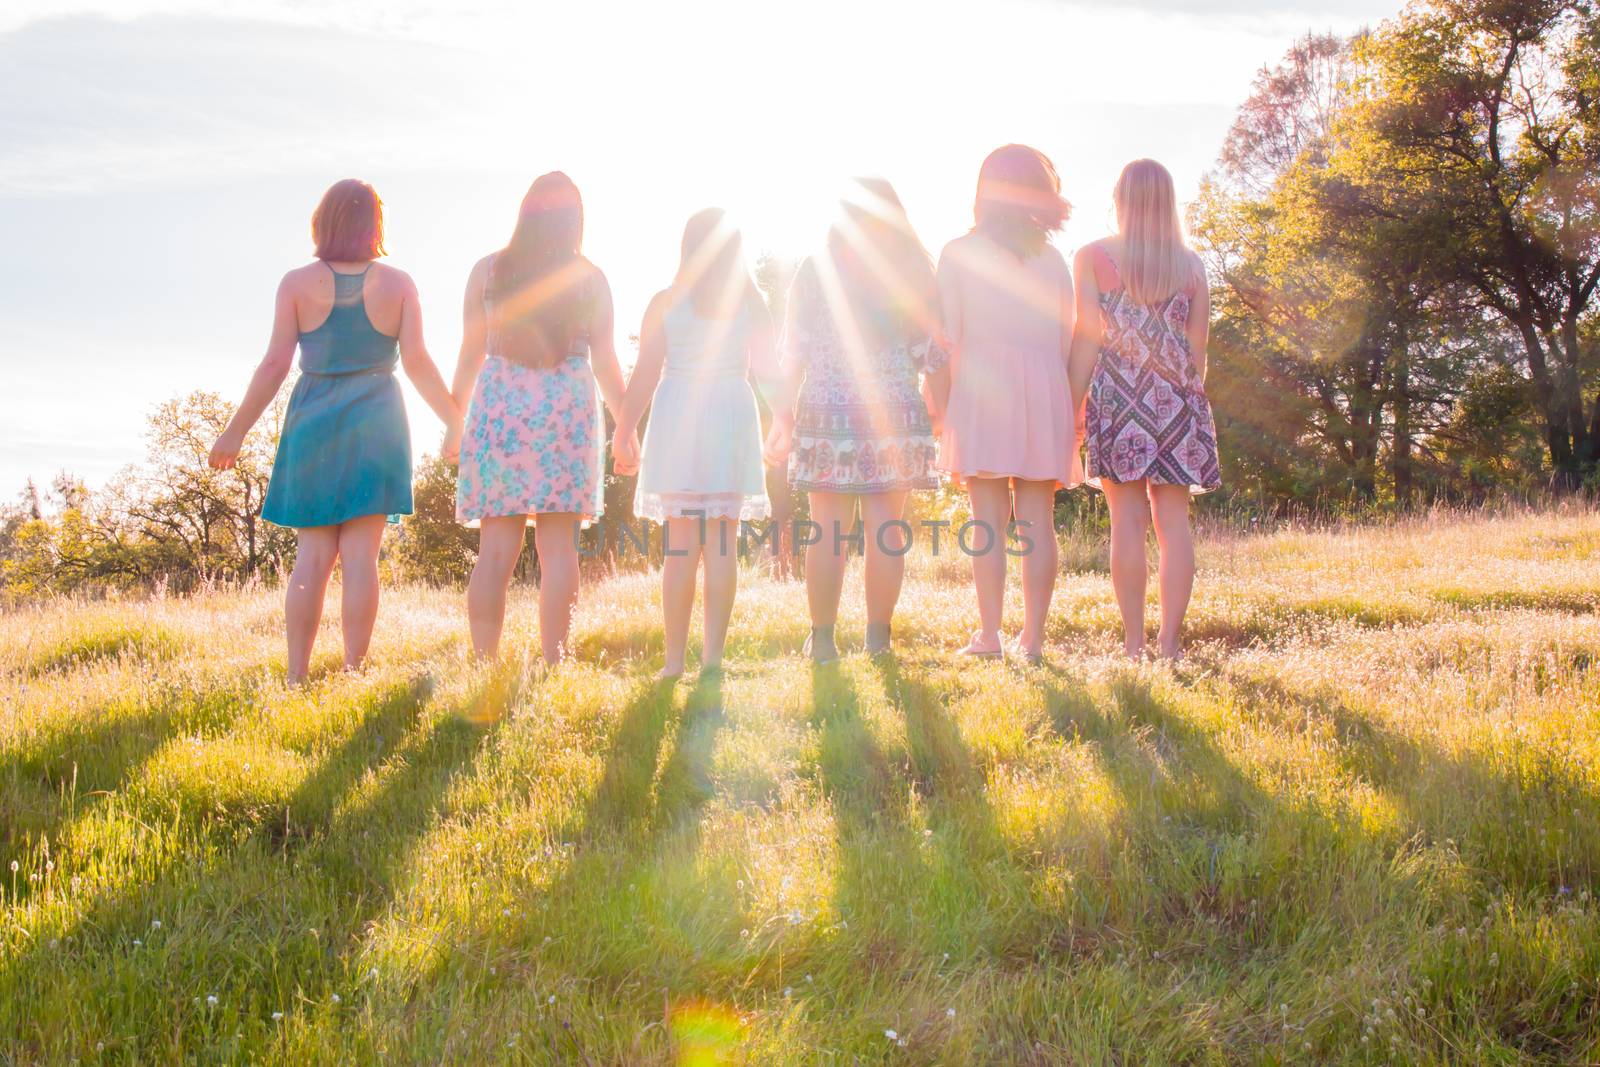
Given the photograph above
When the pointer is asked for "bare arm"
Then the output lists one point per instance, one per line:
(1085, 345)
(266, 381)
(1069, 318)
(791, 374)
(603, 347)
(936, 387)
(1199, 330)
(418, 364)
(474, 337)
(765, 366)
(647, 371)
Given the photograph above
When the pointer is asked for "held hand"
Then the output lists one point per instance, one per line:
(625, 453)
(225, 453)
(450, 448)
(780, 441)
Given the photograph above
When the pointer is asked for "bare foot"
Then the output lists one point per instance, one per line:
(984, 646)
(670, 673)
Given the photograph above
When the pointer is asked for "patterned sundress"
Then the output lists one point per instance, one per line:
(533, 439)
(1148, 416)
(861, 424)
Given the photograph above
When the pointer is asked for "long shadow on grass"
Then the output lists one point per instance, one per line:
(1189, 807)
(238, 900)
(1501, 817)
(980, 891)
(883, 872)
(641, 820)
(53, 779)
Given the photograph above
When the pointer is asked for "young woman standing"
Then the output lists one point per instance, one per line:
(701, 473)
(1008, 309)
(344, 457)
(537, 341)
(1139, 359)
(862, 329)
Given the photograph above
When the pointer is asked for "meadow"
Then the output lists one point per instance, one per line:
(1360, 824)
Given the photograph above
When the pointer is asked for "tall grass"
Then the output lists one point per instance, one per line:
(1360, 825)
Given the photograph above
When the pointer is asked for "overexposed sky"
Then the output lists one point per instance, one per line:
(159, 160)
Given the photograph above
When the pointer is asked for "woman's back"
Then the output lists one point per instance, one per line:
(993, 300)
(349, 319)
(704, 346)
(579, 274)
(1137, 331)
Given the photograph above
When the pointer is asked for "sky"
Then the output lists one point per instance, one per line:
(159, 161)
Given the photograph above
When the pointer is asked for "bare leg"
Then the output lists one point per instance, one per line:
(555, 536)
(1170, 503)
(722, 585)
(1130, 523)
(886, 570)
(1036, 505)
(991, 508)
(825, 560)
(499, 545)
(302, 601)
(359, 543)
(677, 589)
(825, 567)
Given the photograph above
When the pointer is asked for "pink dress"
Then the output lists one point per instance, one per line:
(1011, 413)
(1148, 416)
(533, 438)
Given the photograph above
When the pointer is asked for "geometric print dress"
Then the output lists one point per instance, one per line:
(1148, 416)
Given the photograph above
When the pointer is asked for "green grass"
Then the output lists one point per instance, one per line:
(1361, 824)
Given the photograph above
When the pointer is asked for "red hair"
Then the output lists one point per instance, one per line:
(347, 226)
(1019, 200)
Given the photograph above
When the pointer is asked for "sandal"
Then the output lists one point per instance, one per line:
(820, 646)
(878, 640)
(977, 652)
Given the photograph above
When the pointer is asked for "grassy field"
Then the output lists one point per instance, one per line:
(1360, 825)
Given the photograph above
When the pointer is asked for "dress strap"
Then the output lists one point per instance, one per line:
(1107, 260)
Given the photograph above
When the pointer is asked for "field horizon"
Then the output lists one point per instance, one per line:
(1359, 824)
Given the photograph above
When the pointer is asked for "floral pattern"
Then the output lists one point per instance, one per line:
(532, 442)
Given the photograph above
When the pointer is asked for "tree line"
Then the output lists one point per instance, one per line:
(1402, 231)
(1403, 236)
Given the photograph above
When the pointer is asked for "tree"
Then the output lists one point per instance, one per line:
(1487, 113)
(433, 547)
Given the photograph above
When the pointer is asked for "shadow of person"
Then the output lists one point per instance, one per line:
(339, 851)
(1500, 812)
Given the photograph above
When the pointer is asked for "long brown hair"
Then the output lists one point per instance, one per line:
(711, 266)
(1019, 203)
(886, 272)
(347, 226)
(1156, 262)
(537, 284)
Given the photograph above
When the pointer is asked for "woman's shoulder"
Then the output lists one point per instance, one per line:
(661, 303)
(963, 247)
(393, 278)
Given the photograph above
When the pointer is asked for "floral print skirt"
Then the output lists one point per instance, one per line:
(532, 443)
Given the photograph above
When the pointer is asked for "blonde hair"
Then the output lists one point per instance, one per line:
(1156, 261)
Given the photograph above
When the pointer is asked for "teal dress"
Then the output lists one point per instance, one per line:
(345, 450)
